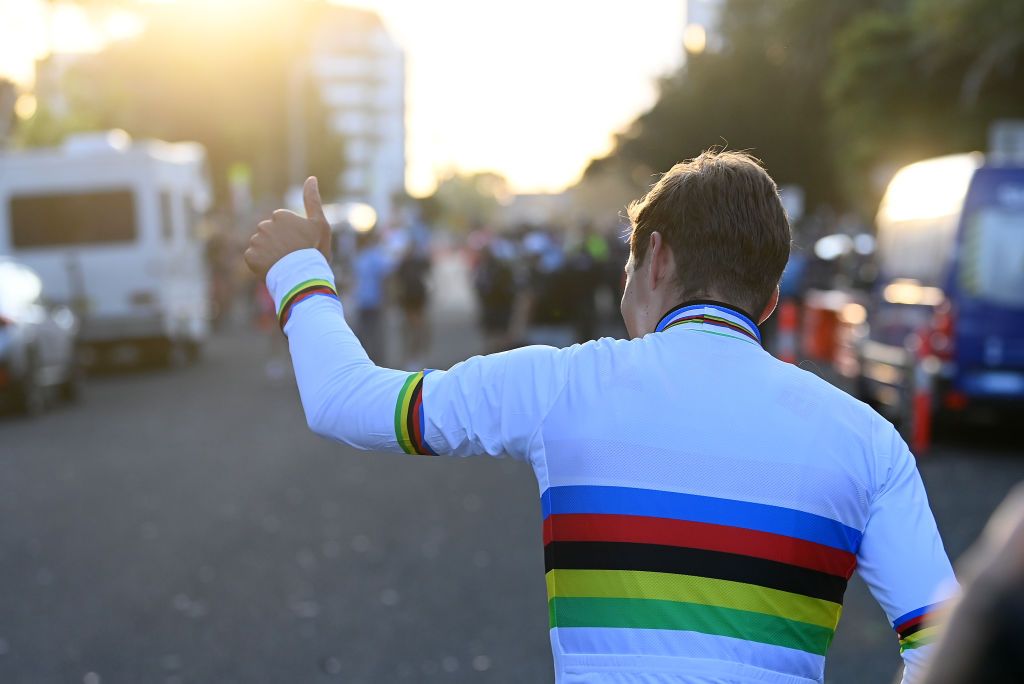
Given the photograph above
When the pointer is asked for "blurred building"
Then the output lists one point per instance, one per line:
(8, 96)
(703, 22)
(361, 72)
(536, 209)
(50, 74)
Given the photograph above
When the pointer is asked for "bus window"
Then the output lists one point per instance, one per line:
(72, 219)
(992, 263)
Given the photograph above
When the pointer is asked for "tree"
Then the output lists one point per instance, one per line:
(200, 72)
(919, 79)
(828, 92)
(761, 92)
(468, 201)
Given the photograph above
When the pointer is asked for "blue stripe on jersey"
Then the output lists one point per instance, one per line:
(915, 613)
(696, 508)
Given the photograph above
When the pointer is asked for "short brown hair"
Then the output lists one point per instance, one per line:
(721, 215)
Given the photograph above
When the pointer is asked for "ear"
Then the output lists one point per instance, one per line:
(663, 262)
(769, 308)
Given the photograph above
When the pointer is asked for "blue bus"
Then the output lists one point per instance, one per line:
(950, 257)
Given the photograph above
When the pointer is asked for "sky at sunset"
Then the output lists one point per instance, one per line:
(531, 89)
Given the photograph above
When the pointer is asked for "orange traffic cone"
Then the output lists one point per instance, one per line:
(786, 341)
(921, 402)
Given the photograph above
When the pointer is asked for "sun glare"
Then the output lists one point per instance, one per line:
(929, 189)
(533, 91)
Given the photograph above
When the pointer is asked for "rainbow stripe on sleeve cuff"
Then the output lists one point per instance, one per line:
(410, 427)
(918, 627)
(301, 292)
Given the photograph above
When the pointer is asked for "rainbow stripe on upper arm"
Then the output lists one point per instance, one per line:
(315, 287)
(410, 424)
(918, 627)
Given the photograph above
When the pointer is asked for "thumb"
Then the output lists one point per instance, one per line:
(315, 213)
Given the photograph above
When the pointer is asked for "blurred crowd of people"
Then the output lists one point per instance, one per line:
(553, 284)
(378, 271)
(547, 284)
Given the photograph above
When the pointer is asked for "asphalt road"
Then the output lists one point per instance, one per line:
(184, 526)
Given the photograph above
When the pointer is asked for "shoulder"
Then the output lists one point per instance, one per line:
(817, 387)
(841, 419)
(538, 367)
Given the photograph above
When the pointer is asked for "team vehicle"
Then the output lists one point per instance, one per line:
(950, 291)
(115, 230)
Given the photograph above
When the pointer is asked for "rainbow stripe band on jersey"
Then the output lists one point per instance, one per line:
(641, 559)
(917, 628)
(729, 321)
(410, 425)
(714, 321)
(302, 292)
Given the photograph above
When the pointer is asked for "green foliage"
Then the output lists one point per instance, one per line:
(831, 94)
(467, 201)
(922, 79)
(46, 128)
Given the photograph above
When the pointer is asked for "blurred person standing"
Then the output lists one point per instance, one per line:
(494, 281)
(587, 263)
(412, 289)
(372, 265)
(791, 289)
(410, 243)
(265, 320)
(704, 504)
(548, 303)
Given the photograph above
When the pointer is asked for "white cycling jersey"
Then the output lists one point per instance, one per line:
(704, 504)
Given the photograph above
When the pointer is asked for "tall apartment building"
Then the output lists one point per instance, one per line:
(361, 73)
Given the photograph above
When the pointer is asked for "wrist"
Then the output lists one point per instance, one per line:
(294, 269)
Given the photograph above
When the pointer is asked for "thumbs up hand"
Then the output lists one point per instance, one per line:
(286, 232)
(315, 213)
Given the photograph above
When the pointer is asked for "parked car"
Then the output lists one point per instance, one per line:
(950, 250)
(37, 342)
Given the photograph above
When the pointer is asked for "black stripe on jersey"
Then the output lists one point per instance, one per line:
(904, 633)
(697, 562)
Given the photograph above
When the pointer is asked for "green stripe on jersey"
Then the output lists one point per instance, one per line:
(402, 435)
(919, 638)
(655, 614)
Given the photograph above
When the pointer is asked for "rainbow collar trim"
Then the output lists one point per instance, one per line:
(730, 321)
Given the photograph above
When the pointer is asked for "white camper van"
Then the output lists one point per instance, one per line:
(113, 228)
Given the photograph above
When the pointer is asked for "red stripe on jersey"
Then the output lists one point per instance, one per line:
(913, 621)
(599, 527)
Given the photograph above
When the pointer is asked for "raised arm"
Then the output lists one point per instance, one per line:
(491, 405)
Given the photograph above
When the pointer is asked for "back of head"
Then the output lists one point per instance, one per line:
(721, 216)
